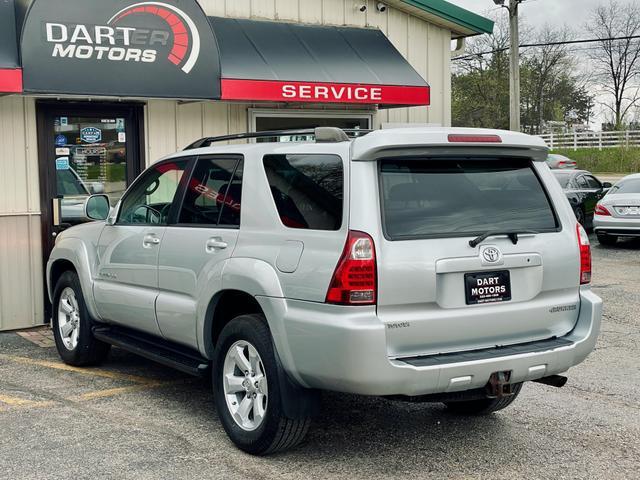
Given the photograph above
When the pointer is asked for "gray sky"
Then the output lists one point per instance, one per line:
(538, 12)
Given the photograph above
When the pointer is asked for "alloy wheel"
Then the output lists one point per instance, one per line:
(69, 318)
(245, 385)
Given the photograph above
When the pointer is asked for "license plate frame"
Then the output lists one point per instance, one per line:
(487, 287)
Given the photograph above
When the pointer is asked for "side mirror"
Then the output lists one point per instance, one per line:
(606, 185)
(97, 207)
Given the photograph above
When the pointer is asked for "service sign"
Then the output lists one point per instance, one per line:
(311, 92)
(163, 49)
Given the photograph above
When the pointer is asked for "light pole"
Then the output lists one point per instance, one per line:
(514, 63)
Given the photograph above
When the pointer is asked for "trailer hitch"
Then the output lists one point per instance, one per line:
(499, 385)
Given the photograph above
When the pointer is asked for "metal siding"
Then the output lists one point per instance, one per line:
(161, 132)
(310, 11)
(398, 34)
(21, 273)
(287, 10)
(263, 8)
(188, 124)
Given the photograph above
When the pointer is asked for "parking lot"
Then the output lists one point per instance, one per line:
(134, 419)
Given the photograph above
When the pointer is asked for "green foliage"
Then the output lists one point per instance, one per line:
(607, 160)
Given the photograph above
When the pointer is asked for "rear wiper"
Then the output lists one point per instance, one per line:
(513, 236)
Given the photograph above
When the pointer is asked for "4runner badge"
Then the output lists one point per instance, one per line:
(490, 255)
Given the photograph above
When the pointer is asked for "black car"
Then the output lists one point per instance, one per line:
(583, 191)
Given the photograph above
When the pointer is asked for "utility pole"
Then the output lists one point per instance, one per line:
(514, 63)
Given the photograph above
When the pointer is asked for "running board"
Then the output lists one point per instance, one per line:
(155, 349)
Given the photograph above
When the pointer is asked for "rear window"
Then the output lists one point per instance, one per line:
(308, 190)
(627, 186)
(462, 197)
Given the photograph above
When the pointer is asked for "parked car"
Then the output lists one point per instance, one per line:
(440, 265)
(560, 162)
(583, 190)
(618, 213)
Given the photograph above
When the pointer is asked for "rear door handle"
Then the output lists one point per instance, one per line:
(214, 244)
(150, 241)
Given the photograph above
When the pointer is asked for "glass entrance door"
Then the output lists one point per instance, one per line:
(90, 155)
(84, 148)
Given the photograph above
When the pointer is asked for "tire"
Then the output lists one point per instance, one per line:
(78, 348)
(274, 432)
(607, 240)
(484, 406)
(580, 216)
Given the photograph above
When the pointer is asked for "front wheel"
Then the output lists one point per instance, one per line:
(484, 406)
(72, 325)
(246, 387)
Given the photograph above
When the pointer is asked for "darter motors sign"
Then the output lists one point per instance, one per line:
(120, 48)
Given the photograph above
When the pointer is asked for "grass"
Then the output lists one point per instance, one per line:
(610, 160)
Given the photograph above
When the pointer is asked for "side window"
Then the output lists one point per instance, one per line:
(582, 182)
(214, 193)
(593, 182)
(149, 202)
(308, 190)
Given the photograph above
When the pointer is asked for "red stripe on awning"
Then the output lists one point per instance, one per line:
(314, 92)
(10, 80)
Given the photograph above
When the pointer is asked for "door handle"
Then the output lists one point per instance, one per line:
(214, 244)
(150, 241)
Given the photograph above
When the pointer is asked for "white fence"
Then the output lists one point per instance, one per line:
(600, 140)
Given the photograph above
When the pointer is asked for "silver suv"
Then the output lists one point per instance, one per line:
(440, 265)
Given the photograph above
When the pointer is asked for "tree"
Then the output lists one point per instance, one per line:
(550, 88)
(480, 83)
(617, 62)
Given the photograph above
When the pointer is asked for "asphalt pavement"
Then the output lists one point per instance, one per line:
(131, 418)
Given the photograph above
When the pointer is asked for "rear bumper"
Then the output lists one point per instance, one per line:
(617, 226)
(344, 349)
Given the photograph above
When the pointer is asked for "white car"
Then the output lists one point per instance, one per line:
(617, 214)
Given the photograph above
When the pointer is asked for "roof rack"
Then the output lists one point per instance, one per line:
(322, 135)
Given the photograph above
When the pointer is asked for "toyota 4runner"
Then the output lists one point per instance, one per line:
(441, 265)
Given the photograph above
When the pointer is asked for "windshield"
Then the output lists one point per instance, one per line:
(459, 197)
(627, 186)
(563, 179)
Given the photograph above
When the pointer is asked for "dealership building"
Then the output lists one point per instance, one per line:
(93, 91)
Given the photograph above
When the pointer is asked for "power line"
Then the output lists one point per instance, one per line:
(548, 44)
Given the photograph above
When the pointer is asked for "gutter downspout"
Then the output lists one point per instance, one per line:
(460, 46)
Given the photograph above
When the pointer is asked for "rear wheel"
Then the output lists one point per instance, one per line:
(484, 406)
(72, 325)
(246, 387)
(607, 240)
(580, 216)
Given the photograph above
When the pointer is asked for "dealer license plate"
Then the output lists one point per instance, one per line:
(487, 287)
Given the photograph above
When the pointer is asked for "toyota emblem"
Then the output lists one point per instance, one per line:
(491, 255)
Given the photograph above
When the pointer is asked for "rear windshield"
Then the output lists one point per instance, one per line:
(460, 197)
(627, 186)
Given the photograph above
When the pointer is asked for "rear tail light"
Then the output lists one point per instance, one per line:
(355, 279)
(585, 255)
(462, 138)
(601, 210)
